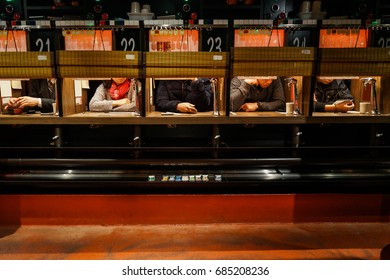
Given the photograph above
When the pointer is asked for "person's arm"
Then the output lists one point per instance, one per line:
(319, 106)
(47, 105)
(41, 98)
(99, 103)
(277, 98)
(48, 97)
(12, 102)
(130, 106)
(239, 91)
(337, 106)
(342, 107)
(122, 105)
(165, 102)
(201, 95)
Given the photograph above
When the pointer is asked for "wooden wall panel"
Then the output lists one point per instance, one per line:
(191, 209)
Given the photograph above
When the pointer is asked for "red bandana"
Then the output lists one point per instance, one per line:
(119, 91)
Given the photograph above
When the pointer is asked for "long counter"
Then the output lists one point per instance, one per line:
(158, 118)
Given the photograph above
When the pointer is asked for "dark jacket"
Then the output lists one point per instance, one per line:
(271, 98)
(329, 93)
(39, 88)
(172, 92)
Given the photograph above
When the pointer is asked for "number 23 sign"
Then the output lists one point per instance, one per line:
(214, 40)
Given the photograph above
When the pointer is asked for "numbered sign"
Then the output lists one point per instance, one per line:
(127, 39)
(41, 40)
(214, 40)
(380, 39)
(299, 38)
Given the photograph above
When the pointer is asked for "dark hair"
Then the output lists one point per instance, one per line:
(107, 83)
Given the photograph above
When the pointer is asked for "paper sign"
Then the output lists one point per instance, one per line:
(5, 88)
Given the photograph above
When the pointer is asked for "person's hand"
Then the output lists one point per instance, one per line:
(120, 102)
(197, 85)
(24, 101)
(11, 103)
(249, 107)
(344, 106)
(186, 107)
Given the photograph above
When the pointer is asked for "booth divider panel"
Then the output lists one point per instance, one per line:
(97, 72)
(171, 72)
(26, 72)
(355, 55)
(273, 54)
(186, 59)
(353, 69)
(98, 58)
(273, 68)
(26, 59)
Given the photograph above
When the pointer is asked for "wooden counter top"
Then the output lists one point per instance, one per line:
(24, 118)
(206, 118)
(261, 114)
(209, 114)
(347, 114)
(104, 115)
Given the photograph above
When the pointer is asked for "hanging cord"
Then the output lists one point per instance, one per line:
(13, 39)
(181, 42)
(101, 39)
(270, 37)
(365, 37)
(188, 34)
(94, 37)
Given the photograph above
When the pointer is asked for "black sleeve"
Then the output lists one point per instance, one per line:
(277, 97)
(165, 102)
(202, 95)
(39, 88)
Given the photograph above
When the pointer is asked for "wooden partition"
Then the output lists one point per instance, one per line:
(183, 65)
(21, 66)
(98, 64)
(26, 64)
(385, 100)
(358, 63)
(92, 65)
(354, 61)
(70, 105)
(297, 62)
(186, 64)
(273, 61)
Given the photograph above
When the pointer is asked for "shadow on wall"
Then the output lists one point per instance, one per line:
(10, 214)
(385, 253)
